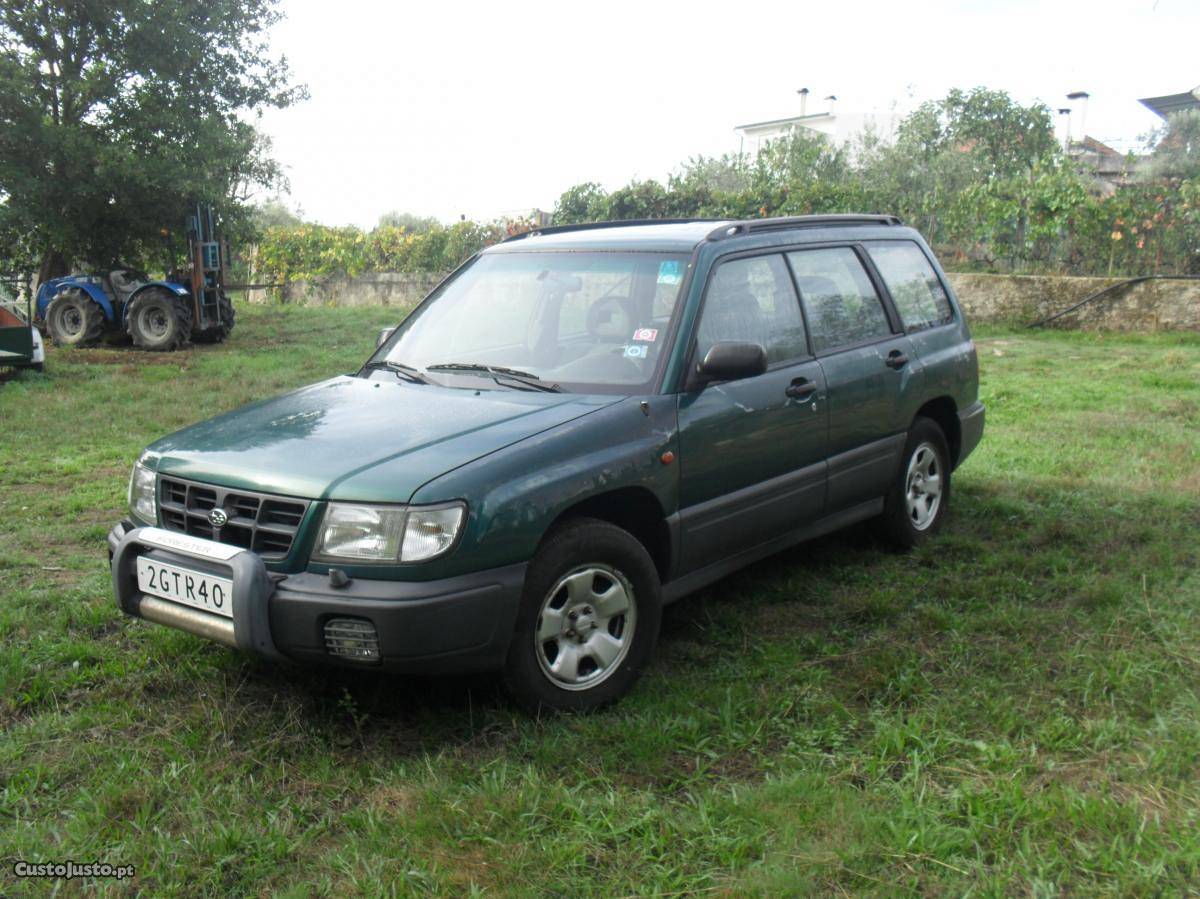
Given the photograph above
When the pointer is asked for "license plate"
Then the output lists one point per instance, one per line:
(192, 588)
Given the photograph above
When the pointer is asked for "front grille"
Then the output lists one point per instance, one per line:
(260, 522)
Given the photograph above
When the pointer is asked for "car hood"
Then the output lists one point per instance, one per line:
(371, 440)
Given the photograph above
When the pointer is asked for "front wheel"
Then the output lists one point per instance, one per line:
(916, 505)
(158, 320)
(588, 620)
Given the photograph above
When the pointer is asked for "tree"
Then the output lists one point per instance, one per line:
(117, 115)
(413, 224)
(1175, 148)
(581, 203)
(274, 213)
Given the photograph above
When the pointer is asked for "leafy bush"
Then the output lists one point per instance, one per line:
(316, 251)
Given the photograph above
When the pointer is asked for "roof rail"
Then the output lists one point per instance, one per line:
(749, 226)
(589, 226)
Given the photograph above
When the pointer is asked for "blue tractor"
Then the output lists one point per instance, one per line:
(191, 304)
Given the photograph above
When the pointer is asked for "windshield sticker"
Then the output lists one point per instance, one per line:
(670, 272)
(636, 351)
(648, 335)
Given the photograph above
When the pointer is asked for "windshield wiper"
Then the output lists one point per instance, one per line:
(410, 374)
(496, 372)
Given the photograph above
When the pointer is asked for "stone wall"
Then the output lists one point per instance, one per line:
(403, 290)
(1007, 299)
(1147, 306)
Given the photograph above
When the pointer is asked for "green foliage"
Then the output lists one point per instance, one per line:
(115, 117)
(274, 213)
(415, 224)
(979, 174)
(314, 251)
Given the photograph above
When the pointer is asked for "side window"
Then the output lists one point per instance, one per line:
(839, 298)
(912, 282)
(753, 300)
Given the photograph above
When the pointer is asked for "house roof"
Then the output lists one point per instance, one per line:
(1164, 106)
(770, 123)
(1100, 148)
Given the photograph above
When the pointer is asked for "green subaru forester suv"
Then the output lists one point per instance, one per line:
(578, 426)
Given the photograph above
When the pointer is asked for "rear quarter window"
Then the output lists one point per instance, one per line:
(914, 285)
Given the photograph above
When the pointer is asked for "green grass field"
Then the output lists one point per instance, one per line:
(1012, 710)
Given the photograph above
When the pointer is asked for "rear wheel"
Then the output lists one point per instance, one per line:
(158, 320)
(916, 505)
(74, 319)
(218, 333)
(588, 621)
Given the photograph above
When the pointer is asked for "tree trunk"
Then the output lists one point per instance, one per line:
(54, 265)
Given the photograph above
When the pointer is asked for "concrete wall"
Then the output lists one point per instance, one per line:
(1010, 299)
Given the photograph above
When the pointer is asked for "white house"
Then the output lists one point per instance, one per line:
(839, 127)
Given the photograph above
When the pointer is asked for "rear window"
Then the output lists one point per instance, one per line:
(918, 294)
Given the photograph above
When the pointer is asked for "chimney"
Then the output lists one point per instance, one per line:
(832, 99)
(803, 92)
(1081, 97)
(1065, 114)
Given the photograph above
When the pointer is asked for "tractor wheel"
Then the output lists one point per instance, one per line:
(74, 319)
(220, 332)
(158, 320)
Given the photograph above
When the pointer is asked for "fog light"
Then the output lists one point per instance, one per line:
(352, 638)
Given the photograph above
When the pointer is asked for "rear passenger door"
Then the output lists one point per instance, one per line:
(752, 451)
(939, 339)
(869, 367)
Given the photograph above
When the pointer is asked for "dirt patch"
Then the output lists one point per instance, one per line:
(133, 359)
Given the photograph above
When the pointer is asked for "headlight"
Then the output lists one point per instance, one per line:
(142, 500)
(388, 533)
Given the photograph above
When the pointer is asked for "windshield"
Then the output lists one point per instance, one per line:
(585, 321)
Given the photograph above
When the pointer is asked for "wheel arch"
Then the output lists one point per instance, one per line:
(633, 509)
(92, 291)
(944, 411)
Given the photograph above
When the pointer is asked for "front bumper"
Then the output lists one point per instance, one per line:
(451, 625)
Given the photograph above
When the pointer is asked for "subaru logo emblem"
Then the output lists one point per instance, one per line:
(217, 517)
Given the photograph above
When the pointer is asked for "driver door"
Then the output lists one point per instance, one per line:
(752, 451)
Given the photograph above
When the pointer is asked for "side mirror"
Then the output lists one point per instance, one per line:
(731, 360)
(384, 334)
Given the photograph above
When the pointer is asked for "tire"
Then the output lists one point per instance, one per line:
(579, 568)
(916, 505)
(219, 333)
(39, 367)
(74, 319)
(158, 320)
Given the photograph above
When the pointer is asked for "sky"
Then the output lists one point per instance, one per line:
(492, 109)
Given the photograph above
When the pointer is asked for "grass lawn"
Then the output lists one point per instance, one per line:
(1013, 709)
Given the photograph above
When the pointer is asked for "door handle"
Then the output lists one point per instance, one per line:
(896, 359)
(800, 389)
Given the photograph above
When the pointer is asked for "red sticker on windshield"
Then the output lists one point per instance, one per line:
(647, 334)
